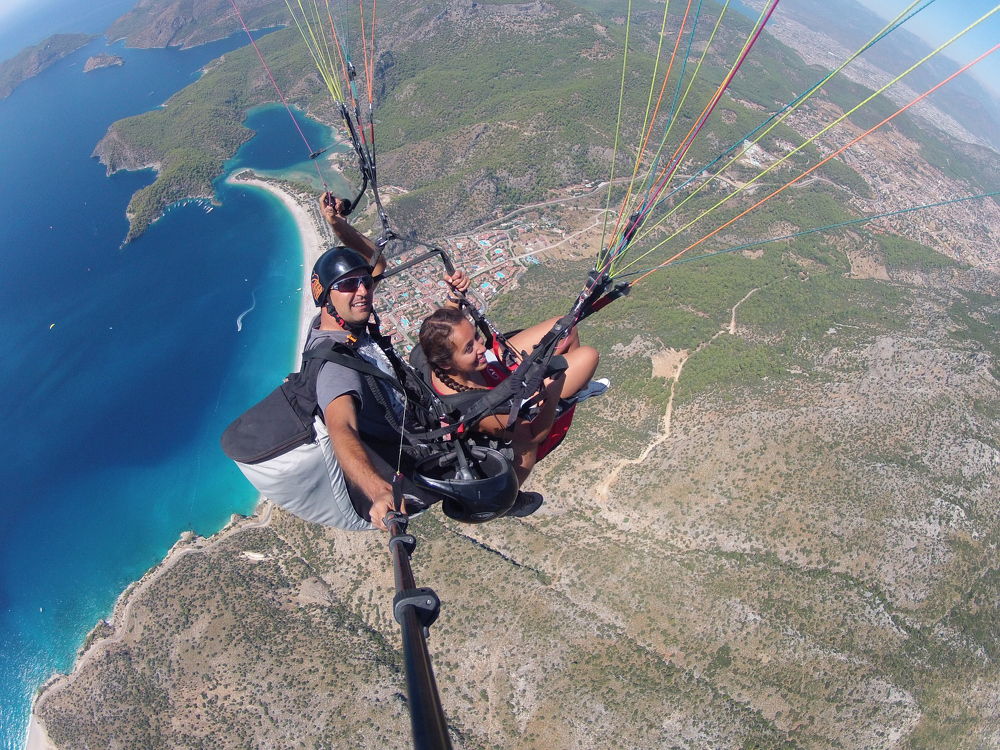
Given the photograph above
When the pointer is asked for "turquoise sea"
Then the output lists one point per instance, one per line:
(122, 366)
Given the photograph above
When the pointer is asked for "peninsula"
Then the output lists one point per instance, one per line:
(31, 61)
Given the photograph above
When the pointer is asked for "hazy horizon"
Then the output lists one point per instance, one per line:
(941, 20)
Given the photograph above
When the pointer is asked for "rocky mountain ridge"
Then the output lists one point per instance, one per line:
(188, 23)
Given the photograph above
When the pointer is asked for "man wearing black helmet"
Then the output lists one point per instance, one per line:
(354, 407)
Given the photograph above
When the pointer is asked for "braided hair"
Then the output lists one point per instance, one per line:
(435, 340)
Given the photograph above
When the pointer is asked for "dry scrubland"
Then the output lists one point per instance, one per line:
(806, 560)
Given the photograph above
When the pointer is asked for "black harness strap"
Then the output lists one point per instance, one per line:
(334, 354)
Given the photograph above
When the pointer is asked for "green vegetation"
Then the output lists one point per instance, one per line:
(31, 61)
(979, 319)
(902, 253)
(796, 308)
(728, 363)
(846, 177)
(974, 165)
(199, 128)
(148, 25)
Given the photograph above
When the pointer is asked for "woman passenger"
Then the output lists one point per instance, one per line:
(460, 370)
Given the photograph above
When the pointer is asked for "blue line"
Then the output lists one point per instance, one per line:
(852, 222)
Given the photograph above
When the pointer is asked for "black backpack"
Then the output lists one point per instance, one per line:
(284, 419)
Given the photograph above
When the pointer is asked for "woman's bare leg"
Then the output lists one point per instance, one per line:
(582, 360)
(524, 341)
(525, 457)
(582, 366)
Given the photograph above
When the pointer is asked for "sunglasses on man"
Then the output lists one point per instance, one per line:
(353, 283)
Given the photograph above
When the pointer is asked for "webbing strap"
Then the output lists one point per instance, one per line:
(351, 362)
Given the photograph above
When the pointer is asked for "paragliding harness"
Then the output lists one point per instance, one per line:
(443, 438)
(476, 481)
(472, 472)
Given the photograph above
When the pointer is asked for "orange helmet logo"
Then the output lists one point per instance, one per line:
(317, 287)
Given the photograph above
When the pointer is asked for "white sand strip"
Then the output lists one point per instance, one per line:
(38, 738)
(312, 236)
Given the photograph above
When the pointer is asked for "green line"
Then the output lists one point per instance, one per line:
(828, 227)
(618, 127)
(809, 140)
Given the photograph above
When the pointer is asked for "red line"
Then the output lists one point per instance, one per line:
(278, 90)
(823, 161)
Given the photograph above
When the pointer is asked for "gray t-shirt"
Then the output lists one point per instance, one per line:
(336, 380)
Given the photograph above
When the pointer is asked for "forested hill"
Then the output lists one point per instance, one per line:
(33, 60)
(158, 23)
(467, 128)
(466, 141)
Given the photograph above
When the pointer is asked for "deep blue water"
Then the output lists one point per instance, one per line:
(111, 417)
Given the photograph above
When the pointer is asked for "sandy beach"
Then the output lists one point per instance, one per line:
(37, 738)
(313, 233)
(315, 237)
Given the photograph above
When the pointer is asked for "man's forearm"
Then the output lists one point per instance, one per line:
(356, 464)
(355, 240)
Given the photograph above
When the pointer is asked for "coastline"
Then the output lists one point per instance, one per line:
(313, 240)
(37, 737)
(313, 237)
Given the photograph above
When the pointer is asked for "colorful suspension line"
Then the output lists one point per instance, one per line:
(681, 151)
(606, 257)
(758, 133)
(309, 149)
(834, 154)
(688, 140)
(817, 135)
(326, 54)
(816, 230)
(649, 121)
(618, 127)
(676, 105)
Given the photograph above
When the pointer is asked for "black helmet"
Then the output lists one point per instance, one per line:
(491, 494)
(334, 264)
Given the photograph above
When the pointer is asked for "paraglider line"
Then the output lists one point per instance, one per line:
(776, 118)
(706, 113)
(814, 137)
(274, 83)
(815, 230)
(836, 153)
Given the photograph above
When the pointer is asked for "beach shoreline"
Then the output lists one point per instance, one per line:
(304, 209)
(314, 238)
(37, 737)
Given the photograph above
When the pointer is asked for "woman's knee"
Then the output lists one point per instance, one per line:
(582, 366)
(584, 358)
